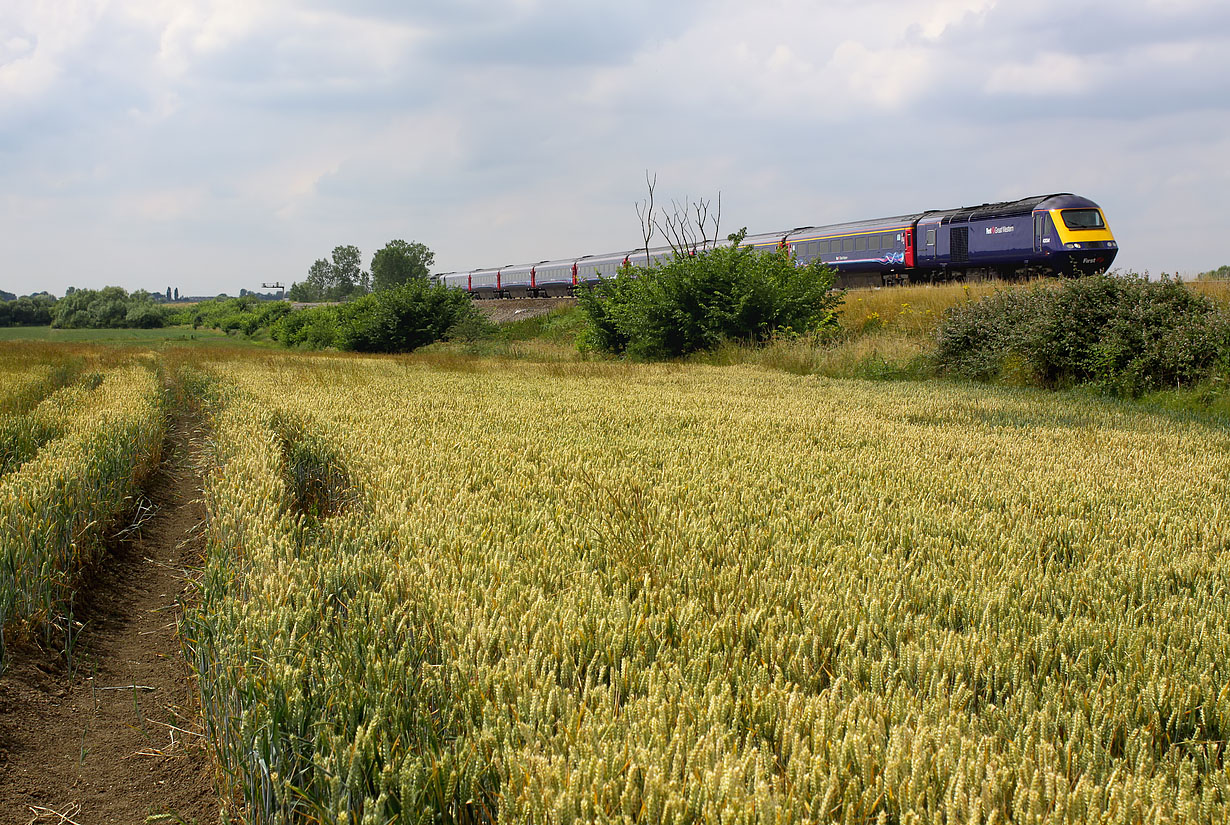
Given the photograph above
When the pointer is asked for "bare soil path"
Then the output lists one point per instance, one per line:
(117, 738)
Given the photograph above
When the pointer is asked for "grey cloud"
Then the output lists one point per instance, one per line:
(487, 137)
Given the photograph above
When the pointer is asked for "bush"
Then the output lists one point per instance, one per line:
(314, 328)
(1124, 334)
(473, 326)
(145, 316)
(400, 319)
(403, 318)
(697, 302)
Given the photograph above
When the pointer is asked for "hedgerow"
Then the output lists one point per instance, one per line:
(1121, 333)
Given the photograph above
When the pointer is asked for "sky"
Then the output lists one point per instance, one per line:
(218, 145)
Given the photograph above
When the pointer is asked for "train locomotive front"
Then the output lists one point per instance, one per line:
(1072, 231)
(1061, 234)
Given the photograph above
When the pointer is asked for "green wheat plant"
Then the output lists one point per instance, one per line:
(597, 592)
(84, 450)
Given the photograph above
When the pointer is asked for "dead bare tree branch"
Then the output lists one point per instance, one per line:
(644, 211)
(686, 227)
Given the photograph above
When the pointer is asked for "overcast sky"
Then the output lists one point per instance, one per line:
(213, 145)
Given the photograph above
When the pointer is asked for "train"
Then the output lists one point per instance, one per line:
(1060, 234)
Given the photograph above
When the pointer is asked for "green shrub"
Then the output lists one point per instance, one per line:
(696, 302)
(314, 328)
(473, 326)
(402, 318)
(1124, 334)
(145, 316)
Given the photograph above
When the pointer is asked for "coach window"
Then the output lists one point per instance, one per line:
(860, 243)
(822, 248)
(873, 243)
(889, 241)
(847, 244)
(930, 237)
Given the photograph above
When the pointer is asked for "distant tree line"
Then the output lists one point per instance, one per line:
(26, 311)
(342, 278)
(338, 279)
(395, 307)
(110, 307)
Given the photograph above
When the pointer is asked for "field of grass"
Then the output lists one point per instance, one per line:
(146, 337)
(443, 588)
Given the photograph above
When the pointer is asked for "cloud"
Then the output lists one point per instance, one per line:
(242, 139)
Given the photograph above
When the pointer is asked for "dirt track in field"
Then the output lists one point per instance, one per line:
(116, 739)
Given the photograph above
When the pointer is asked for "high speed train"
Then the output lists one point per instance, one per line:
(1061, 234)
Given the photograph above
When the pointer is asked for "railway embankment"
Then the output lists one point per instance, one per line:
(503, 310)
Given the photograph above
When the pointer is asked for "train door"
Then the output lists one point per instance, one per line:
(927, 243)
(1043, 232)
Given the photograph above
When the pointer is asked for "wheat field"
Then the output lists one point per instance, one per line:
(468, 591)
(75, 444)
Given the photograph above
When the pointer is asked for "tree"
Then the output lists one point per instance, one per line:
(400, 262)
(177, 293)
(316, 286)
(347, 273)
(34, 310)
(644, 211)
(338, 279)
(688, 227)
(301, 292)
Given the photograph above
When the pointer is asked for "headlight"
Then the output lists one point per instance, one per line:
(1112, 245)
(1071, 246)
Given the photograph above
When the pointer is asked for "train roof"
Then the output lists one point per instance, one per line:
(1011, 209)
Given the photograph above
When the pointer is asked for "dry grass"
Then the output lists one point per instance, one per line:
(1218, 290)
